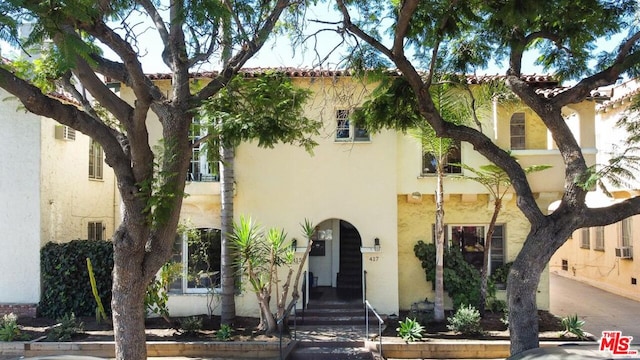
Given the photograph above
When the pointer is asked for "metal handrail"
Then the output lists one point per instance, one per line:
(279, 321)
(380, 322)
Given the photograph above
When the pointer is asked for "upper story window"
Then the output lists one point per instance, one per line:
(95, 160)
(200, 168)
(626, 226)
(95, 230)
(517, 131)
(585, 239)
(599, 240)
(199, 254)
(453, 156)
(345, 131)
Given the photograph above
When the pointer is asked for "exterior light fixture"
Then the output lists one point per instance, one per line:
(376, 244)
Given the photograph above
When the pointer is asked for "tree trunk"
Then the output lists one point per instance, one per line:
(127, 302)
(524, 276)
(227, 268)
(487, 251)
(438, 308)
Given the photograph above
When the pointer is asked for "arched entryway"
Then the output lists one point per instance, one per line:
(335, 262)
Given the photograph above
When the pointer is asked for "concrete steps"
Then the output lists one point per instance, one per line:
(331, 351)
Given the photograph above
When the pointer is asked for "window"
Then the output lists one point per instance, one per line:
(625, 231)
(470, 241)
(199, 254)
(599, 241)
(95, 230)
(517, 131)
(585, 241)
(200, 169)
(346, 132)
(454, 156)
(95, 160)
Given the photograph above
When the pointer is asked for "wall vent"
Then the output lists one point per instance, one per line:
(63, 132)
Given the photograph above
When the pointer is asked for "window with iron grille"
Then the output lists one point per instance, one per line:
(345, 131)
(95, 230)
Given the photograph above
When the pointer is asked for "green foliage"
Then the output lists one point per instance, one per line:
(501, 273)
(573, 325)
(494, 305)
(466, 321)
(157, 294)
(101, 315)
(267, 108)
(461, 279)
(66, 288)
(64, 331)
(191, 325)
(224, 333)
(9, 329)
(410, 330)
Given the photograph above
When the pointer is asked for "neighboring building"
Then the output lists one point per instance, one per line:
(364, 190)
(603, 256)
(54, 187)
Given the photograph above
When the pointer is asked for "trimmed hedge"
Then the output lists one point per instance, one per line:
(66, 287)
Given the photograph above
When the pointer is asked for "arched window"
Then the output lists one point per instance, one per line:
(517, 131)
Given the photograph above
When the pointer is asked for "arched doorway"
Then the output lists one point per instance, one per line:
(335, 262)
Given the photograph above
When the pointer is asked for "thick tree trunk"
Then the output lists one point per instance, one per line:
(227, 269)
(524, 277)
(438, 308)
(127, 302)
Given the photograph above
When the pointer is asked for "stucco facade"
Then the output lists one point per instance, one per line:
(376, 187)
(47, 197)
(604, 256)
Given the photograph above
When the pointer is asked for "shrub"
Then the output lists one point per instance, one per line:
(466, 321)
(191, 325)
(461, 279)
(66, 287)
(68, 327)
(9, 330)
(573, 325)
(410, 330)
(224, 333)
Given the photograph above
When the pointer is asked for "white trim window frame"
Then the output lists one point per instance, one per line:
(96, 158)
(197, 278)
(517, 131)
(346, 131)
(626, 228)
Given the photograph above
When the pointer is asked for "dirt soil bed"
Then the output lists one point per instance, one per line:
(244, 329)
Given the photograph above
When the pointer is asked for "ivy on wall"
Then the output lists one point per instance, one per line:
(66, 287)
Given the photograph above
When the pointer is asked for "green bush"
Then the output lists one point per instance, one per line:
(68, 327)
(410, 330)
(466, 321)
(461, 279)
(224, 334)
(191, 325)
(9, 329)
(573, 325)
(66, 287)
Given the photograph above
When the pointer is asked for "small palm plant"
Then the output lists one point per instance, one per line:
(410, 330)
(573, 325)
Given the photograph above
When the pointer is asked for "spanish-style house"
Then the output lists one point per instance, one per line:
(370, 195)
(55, 187)
(604, 256)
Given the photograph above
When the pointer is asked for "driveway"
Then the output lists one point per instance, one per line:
(601, 310)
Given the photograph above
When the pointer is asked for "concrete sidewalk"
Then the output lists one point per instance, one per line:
(601, 310)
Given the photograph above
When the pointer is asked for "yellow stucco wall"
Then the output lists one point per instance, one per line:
(601, 268)
(415, 221)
